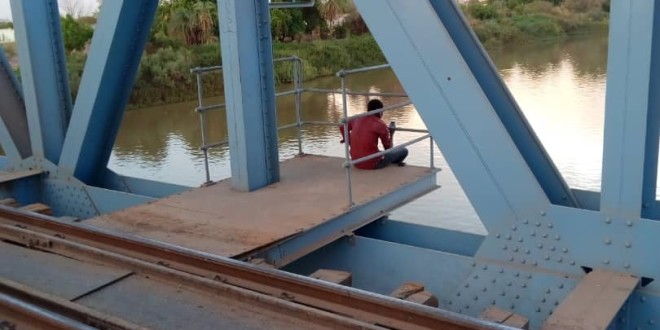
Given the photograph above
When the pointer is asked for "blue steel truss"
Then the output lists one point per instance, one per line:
(542, 235)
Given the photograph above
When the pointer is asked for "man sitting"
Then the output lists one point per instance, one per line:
(364, 133)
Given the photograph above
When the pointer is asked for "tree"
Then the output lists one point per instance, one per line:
(74, 8)
(76, 34)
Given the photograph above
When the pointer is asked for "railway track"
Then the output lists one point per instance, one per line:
(288, 300)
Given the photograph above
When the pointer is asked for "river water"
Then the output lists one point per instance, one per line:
(560, 86)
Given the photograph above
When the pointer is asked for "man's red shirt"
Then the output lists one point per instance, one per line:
(364, 133)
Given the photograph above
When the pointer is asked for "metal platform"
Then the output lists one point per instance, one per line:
(309, 204)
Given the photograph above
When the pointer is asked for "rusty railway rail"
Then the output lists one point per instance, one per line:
(325, 302)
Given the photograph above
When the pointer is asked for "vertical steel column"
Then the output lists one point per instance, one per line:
(121, 34)
(247, 59)
(14, 133)
(44, 75)
(630, 154)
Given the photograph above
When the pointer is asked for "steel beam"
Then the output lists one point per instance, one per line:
(458, 113)
(44, 74)
(250, 92)
(504, 104)
(121, 35)
(630, 154)
(14, 133)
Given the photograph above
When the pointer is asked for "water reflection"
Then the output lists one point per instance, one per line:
(559, 86)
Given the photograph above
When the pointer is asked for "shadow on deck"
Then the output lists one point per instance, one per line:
(307, 209)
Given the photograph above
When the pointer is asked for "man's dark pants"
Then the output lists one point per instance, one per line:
(393, 157)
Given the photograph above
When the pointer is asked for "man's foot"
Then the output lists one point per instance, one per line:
(402, 164)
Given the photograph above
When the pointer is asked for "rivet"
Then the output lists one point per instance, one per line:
(475, 298)
(572, 263)
(540, 246)
(517, 297)
(516, 274)
(511, 258)
(628, 245)
(607, 262)
(515, 249)
(642, 299)
(542, 213)
(565, 250)
(525, 221)
(504, 247)
(450, 302)
(514, 227)
(561, 286)
(543, 300)
(560, 259)
(545, 235)
(529, 276)
(538, 310)
(651, 322)
(528, 251)
(535, 263)
(513, 306)
(538, 224)
(485, 267)
(626, 266)
(493, 302)
(547, 257)
(484, 289)
(523, 261)
(557, 238)
(524, 285)
(608, 241)
(458, 294)
(547, 291)
(502, 293)
(475, 276)
(550, 225)
(608, 221)
(533, 233)
(552, 248)
(467, 306)
(629, 223)
(509, 283)
(497, 235)
(520, 239)
(508, 237)
(467, 285)
(556, 303)
(501, 270)
(474, 264)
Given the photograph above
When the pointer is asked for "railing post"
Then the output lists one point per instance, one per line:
(297, 84)
(202, 119)
(346, 136)
(432, 153)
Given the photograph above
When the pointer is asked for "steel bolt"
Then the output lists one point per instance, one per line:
(629, 223)
(517, 274)
(543, 300)
(523, 261)
(466, 285)
(545, 235)
(540, 246)
(493, 302)
(514, 227)
(509, 283)
(533, 233)
(525, 221)
(513, 306)
(557, 237)
(572, 263)
(565, 250)
(538, 310)
(552, 248)
(508, 237)
(608, 241)
(524, 285)
(515, 249)
(561, 286)
(529, 276)
(542, 213)
(547, 257)
(628, 245)
(476, 276)
(550, 225)
(484, 289)
(504, 247)
(528, 251)
(520, 239)
(608, 221)
(607, 262)
(547, 291)
(485, 267)
(497, 235)
(538, 224)
(517, 297)
(475, 298)
(502, 293)
(560, 259)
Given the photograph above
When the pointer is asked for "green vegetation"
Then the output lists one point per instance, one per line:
(6, 25)
(499, 22)
(328, 37)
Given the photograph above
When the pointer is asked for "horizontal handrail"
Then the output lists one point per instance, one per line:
(375, 112)
(210, 107)
(292, 4)
(384, 152)
(345, 73)
(334, 91)
(199, 70)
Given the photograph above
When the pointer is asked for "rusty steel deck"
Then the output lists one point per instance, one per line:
(226, 222)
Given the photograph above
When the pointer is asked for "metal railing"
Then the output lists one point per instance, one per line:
(298, 90)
